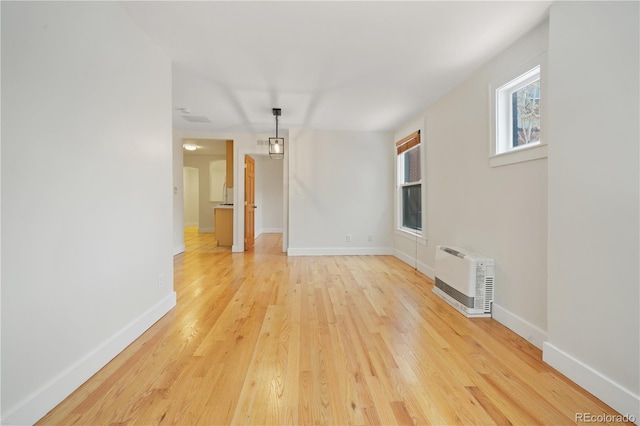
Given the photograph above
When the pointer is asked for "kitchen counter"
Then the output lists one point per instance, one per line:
(223, 218)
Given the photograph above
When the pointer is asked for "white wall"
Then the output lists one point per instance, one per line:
(178, 195)
(498, 212)
(269, 175)
(594, 192)
(86, 196)
(191, 196)
(201, 162)
(206, 221)
(340, 183)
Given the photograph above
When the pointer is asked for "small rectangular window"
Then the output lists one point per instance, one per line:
(525, 104)
(518, 112)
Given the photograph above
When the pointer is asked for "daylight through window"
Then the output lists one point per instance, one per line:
(410, 183)
(518, 112)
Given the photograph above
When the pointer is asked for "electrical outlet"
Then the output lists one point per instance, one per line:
(160, 281)
(370, 238)
(349, 238)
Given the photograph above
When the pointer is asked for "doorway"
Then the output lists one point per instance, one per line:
(269, 196)
(209, 159)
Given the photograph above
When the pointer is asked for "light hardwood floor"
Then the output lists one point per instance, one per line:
(262, 338)
(201, 243)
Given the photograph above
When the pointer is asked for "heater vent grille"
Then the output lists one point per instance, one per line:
(465, 280)
(488, 291)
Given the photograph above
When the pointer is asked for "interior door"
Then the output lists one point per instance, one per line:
(249, 202)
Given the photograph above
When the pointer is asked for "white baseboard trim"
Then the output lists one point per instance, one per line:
(610, 392)
(411, 261)
(272, 231)
(520, 326)
(43, 400)
(179, 249)
(427, 270)
(340, 251)
(206, 230)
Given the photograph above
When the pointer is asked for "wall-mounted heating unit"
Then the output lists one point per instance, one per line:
(465, 280)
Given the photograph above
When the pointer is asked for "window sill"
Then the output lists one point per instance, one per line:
(413, 236)
(518, 156)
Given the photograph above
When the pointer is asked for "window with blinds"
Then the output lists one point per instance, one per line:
(409, 183)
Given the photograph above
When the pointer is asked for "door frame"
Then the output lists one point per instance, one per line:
(249, 201)
(238, 196)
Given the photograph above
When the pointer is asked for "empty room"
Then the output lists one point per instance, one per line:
(336, 213)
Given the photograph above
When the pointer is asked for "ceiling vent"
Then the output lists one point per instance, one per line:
(196, 118)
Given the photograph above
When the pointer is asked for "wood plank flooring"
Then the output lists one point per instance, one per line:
(264, 339)
(201, 243)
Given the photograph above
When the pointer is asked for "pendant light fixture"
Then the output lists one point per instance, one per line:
(276, 145)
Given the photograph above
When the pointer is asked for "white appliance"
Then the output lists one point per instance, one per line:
(465, 280)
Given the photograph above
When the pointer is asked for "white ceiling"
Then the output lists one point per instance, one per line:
(328, 65)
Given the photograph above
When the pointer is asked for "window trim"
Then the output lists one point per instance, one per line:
(512, 81)
(411, 236)
(504, 105)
